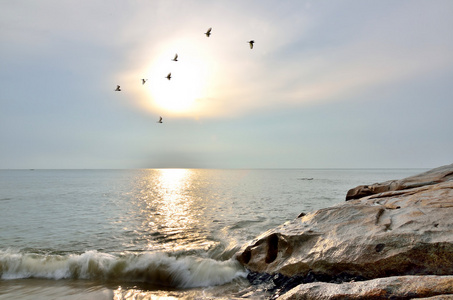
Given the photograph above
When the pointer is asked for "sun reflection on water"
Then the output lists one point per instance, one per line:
(171, 215)
(172, 187)
(173, 181)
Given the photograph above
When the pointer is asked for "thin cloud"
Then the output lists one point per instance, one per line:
(62, 60)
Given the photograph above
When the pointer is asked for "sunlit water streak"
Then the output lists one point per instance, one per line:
(145, 234)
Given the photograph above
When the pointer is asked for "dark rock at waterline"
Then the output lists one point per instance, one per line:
(403, 227)
(279, 284)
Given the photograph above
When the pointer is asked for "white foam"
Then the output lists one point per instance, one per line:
(157, 267)
(207, 272)
(15, 265)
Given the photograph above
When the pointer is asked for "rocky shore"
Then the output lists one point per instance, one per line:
(390, 240)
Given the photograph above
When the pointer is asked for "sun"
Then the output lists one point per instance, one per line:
(188, 83)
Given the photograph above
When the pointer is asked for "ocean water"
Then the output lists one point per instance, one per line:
(148, 233)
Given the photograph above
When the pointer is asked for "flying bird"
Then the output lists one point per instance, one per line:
(176, 57)
(118, 88)
(208, 33)
(251, 43)
(144, 80)
(168, 76)
(160, 120)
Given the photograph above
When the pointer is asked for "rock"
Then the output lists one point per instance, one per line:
(440, 297)
(431, 177)
(279, 284)
(406, 231)
(403, 287)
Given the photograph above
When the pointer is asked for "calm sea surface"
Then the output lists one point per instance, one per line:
(150, 234)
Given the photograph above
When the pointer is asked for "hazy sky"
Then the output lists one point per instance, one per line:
(329, 84)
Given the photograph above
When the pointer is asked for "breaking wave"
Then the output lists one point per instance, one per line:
(156, 268)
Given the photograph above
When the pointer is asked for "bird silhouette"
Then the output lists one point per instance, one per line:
(176, 57)
(208, 33)
(251, 43)
(144, 80)
(160, 120)
(168, 76)
(118, 88)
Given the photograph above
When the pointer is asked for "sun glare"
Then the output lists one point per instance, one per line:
(189, 76)
(173, 179)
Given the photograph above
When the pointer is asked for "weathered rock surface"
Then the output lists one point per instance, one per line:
(404, 287)
(431, 177)
(403, 228)
(440, 297)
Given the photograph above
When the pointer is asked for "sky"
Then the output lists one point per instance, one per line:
(328, 84)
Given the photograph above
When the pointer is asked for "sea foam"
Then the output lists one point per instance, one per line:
(151, 267)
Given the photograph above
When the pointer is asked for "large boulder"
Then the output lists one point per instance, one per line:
(431, 177)
(392, 232)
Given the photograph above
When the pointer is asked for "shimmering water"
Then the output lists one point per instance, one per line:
(149, 234)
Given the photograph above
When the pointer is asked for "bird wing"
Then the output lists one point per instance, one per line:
(176, 57)
(209, 30)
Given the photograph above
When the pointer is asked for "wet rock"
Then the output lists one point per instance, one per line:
(402, 231)
(278, 284)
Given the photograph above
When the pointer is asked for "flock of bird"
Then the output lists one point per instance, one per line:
(208, 34)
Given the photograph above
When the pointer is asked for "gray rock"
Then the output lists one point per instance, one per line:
(431, 177)
(403, 287)
(439, 297)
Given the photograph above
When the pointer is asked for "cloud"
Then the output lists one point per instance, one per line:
(61, 62)
(303, 53)
(375, 50)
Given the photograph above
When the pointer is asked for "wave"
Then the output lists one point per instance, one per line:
(154, 267)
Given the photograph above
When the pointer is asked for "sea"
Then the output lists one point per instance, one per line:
(151, 233)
